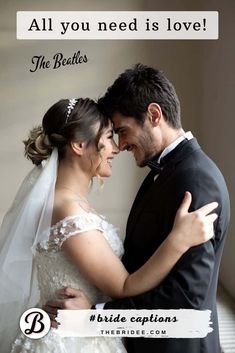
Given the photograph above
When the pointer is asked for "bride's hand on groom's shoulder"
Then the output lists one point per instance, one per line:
(195, 227)
(70, 299)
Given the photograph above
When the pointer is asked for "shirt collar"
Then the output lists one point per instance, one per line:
(187, 135)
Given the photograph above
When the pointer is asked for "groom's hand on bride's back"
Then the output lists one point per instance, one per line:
(68, 298)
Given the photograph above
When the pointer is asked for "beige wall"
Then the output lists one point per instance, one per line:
(217, 123)
(202, 72)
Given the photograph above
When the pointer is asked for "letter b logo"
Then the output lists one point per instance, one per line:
(35, 323)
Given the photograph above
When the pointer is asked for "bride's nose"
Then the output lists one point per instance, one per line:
(115, 148)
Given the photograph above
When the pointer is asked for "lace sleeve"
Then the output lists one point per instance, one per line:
(70, 226)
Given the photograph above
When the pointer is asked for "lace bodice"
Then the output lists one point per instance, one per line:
(54, 270)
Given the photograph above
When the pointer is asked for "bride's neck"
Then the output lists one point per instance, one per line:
(71, 176)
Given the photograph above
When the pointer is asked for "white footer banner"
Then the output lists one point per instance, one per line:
(182, 323)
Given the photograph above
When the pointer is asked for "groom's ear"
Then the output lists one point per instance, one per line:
(154, 114)
(78, 147)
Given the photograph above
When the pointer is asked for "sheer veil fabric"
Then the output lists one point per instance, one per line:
(25, 224)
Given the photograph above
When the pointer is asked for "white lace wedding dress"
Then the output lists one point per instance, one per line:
(55, 271)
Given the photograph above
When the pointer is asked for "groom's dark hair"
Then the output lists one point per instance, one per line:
(133, 91)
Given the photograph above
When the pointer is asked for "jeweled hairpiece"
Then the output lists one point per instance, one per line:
(70, 107)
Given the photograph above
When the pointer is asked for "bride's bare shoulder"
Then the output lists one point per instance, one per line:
(65, 206)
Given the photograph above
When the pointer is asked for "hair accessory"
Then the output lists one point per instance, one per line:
(70, 107)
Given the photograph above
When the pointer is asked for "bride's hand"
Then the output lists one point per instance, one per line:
(193, 228)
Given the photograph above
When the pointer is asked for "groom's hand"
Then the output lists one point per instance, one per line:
(74, 299)
(71, 299)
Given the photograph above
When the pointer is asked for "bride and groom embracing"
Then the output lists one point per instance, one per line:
(51, 237)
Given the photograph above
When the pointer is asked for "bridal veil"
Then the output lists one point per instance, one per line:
(25, 224)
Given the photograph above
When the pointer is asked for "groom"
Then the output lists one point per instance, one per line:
(145, 111)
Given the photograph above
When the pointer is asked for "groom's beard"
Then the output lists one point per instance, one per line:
(146, 148)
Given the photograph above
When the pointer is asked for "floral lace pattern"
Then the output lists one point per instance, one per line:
(74, 225)
(54, 270)
(51, 343)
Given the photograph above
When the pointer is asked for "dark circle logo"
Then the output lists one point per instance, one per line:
(35, 323)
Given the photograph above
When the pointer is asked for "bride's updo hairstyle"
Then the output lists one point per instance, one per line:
(66, 121)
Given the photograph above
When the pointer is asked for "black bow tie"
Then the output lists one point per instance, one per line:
(155, 166)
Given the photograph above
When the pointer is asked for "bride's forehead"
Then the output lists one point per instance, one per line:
(108, 128)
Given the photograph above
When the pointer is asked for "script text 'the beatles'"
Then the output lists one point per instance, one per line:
(58, 61)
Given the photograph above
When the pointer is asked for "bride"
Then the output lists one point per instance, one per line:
(51, 237)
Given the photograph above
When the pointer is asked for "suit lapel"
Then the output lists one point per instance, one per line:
(145, 192)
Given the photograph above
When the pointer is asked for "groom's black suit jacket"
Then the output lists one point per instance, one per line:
(192, 283)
